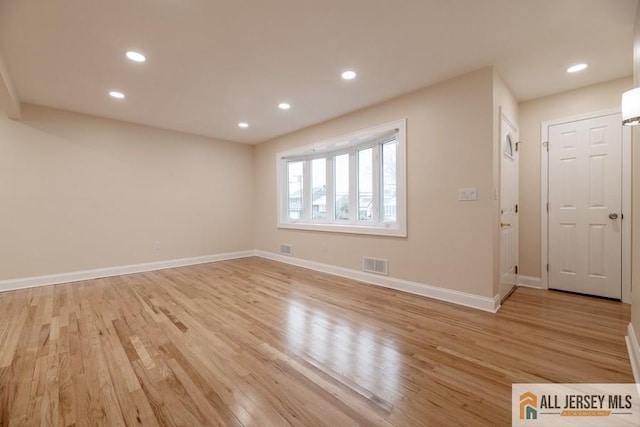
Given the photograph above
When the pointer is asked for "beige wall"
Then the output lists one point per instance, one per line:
(532, 113)
(449, 146)
(80, 192)
(635, 188)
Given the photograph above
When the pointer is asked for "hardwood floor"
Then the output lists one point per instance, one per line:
(255, 342)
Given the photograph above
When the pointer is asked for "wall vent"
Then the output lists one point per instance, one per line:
(376, 266)
(286, 250)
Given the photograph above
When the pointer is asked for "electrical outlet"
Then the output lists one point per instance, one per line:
(156, 245)
(468, 194)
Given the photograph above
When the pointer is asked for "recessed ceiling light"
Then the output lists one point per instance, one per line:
(136, 56)
(284, 106)
(349, 75)
(576, 68)
(243, 125)
(116, 94)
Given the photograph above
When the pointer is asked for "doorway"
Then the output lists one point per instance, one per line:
(586, 239)
(508, 207)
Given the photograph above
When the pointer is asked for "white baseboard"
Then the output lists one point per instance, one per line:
(462, 298)
(634, 352)
(53, 279)
(530, 282)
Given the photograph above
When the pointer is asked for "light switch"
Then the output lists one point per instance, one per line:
(468, 194)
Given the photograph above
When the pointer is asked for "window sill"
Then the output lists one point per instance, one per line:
(346, 228)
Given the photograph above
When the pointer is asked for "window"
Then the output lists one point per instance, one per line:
(389, 188)
(341, 191)
(319, 189)
(295, 187)
(508, 146)
(354, 184)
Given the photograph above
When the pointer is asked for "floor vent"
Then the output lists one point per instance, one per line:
(286, 250)
(377, 266)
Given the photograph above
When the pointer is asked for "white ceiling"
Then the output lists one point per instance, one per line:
(213, 63)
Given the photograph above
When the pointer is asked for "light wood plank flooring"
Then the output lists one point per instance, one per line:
(252, 342)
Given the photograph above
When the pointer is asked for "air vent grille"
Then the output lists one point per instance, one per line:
(286, 250)
(376, 266)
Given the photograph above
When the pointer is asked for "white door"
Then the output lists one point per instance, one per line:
(585, 204)
(508, 208)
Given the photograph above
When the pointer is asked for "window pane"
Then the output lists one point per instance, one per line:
(319, 189)
(389, 174)
(342, 186)
(296, 184)
(365, 184)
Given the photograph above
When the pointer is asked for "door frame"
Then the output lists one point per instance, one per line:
(512, 127)
(626, 197)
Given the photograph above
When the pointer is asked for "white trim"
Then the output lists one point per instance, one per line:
(336, 227)
(634, 352)
(544, 200)
(53, 279)
(626, 213)
(626, 198)
(530, 282)
(456, 297)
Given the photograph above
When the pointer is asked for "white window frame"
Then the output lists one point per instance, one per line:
(350, 143)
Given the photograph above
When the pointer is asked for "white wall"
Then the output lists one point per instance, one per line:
(79, 192)
(598, 97)
(449, 146)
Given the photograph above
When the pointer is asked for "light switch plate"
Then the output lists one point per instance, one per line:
(468, 194)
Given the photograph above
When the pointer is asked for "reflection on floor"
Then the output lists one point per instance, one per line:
(255, 342)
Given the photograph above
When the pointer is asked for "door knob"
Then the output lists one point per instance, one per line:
(613, 215)
(504, 224)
